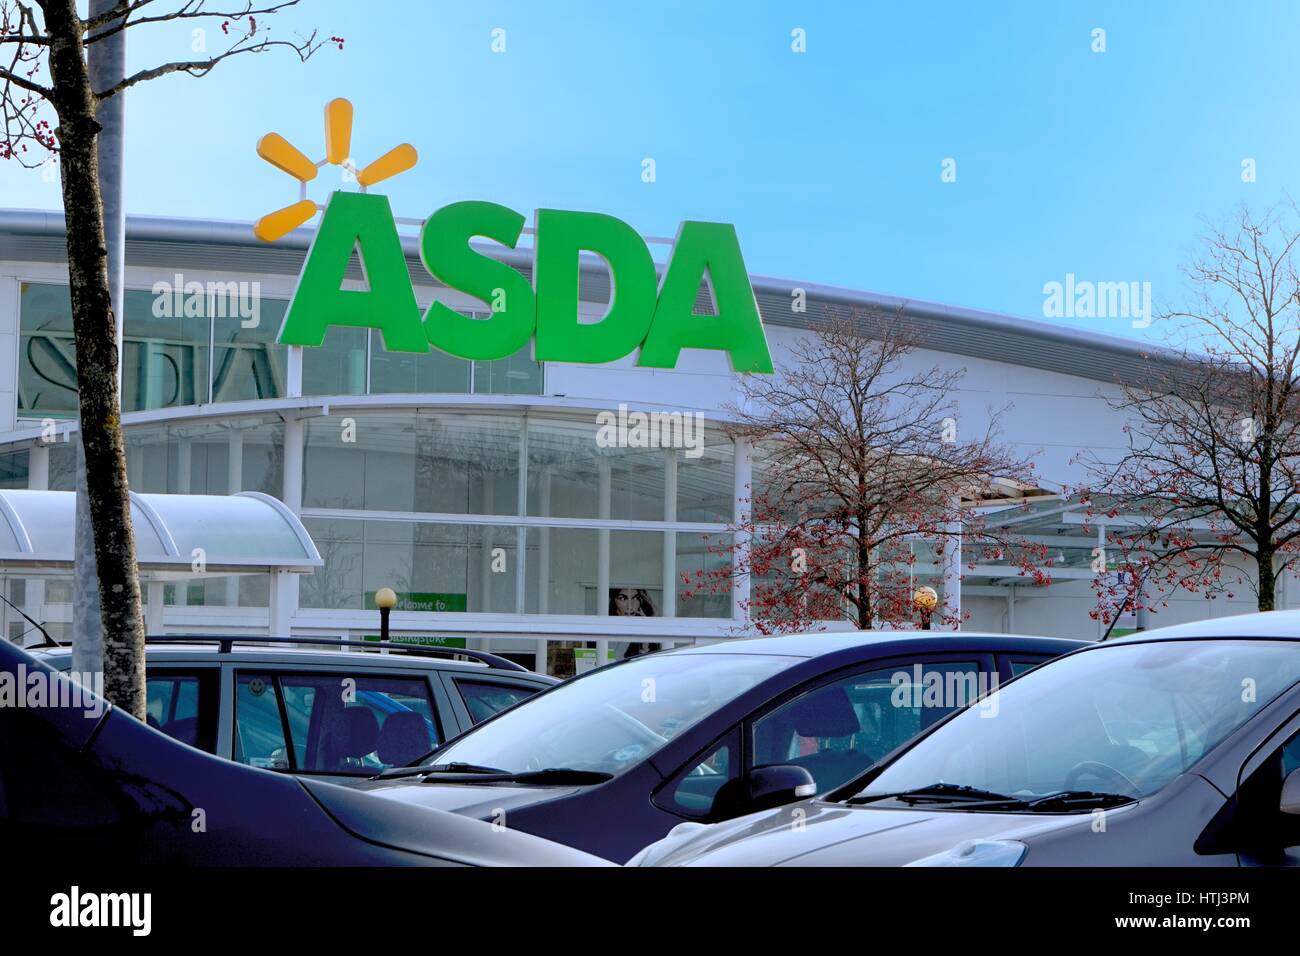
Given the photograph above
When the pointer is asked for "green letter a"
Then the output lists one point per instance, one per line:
(364, 222)
(707, 248)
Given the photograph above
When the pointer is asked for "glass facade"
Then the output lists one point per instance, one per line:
(430, 463)
(391, 499)
(462, 511)
(216, 343)
(429, 472)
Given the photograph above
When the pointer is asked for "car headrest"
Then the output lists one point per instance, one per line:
(825, 713)
(404, 737)
(355, 732)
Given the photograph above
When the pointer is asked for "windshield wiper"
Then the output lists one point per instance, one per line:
(1076, 799)
(552, 775)
(454, 766)
(936, 793)
(973, 798)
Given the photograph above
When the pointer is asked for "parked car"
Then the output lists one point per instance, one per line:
(80, 780)
(1175, 747)
(615, 758)
(319, 706)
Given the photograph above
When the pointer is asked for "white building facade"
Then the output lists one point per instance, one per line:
(479, 490)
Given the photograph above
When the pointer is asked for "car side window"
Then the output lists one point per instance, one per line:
(839, 729)
(1019, 665)
(335, 723)
(183, 706)
(690, 793)
(484, 699)
(259, 727)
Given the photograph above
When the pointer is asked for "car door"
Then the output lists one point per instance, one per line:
(835, 727)
(352, 723)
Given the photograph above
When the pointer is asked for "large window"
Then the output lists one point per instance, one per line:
(439, 463)
(431, 566)
(668, 560)
(570, 474)
(201, 458)
(217, 343)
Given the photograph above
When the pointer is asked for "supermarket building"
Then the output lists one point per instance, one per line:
(478, 489)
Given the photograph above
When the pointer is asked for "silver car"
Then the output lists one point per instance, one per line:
(1175, 747)
(319, 706)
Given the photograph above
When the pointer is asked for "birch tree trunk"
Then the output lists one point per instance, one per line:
(95, 334)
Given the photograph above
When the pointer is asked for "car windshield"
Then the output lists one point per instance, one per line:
(614, 718)
(1126, 719)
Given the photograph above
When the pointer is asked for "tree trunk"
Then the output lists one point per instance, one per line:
(865, 610)
(1267, 579)
(95, 333)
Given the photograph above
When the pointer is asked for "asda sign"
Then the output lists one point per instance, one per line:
(654, 318)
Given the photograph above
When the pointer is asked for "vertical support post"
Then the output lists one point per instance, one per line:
(293, 372)
(742, 495)
(184, 466)
(521, 533)
(38, 478)
(670, 537)
(38, 467)
(284, 600)
(544, 549)
(539, 656)
(602, 545)
(234, 483)
(1101, 553)
(284, 587)
(154, 608)
(952, 575)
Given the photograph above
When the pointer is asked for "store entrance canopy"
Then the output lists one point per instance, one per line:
(175, 535)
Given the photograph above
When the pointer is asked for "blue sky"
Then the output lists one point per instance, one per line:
(1068, 161)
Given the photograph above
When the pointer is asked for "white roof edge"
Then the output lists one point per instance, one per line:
(239, 233)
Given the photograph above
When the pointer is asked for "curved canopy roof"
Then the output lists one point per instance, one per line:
(243, 533)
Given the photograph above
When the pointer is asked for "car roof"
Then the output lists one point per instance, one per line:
(162, 651)
(821, 643)
(1263, 625)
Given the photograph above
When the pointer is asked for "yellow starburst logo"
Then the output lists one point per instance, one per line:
(283, 155)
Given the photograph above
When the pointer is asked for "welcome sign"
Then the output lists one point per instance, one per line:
(655, 317)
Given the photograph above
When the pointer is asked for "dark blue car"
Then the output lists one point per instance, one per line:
(613, 760)
(80, 780)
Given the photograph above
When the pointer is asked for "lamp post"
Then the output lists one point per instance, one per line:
(385, 599)
(926, 600)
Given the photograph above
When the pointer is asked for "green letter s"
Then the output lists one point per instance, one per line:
(364, 222)
(445, 250)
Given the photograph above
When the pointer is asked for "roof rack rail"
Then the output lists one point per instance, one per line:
(226, 643)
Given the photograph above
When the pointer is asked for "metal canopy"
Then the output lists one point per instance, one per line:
(243, 533)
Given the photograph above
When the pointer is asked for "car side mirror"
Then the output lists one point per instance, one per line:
(1290, 801)
(762, 789)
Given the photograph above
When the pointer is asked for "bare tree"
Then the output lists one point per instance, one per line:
(43, 70)
(862, 462)
(1211, 466)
